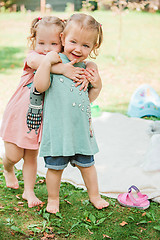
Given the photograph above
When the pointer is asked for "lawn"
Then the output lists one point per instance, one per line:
(137, 63)
(78, 219)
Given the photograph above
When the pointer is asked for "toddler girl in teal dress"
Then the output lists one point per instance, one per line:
(67, 135)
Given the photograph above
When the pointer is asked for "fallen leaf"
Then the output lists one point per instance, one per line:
(106, 236)
(48, 235)
(38, 208)
(18, 196)
(142, 228)
(123, 223)
(50, 228)
(89, 231)
(1, 206)
(42, 204)
(12, 66)
(41, 181)
(17, 209)
(12, 233)
(20, 204)
(88, 220)
(143, 214)
(67, 201)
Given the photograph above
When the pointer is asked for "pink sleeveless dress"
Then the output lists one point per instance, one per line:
(14, 127)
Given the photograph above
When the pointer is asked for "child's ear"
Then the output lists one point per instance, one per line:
(62, 38)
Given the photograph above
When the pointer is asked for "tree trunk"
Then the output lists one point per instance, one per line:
(43, 6)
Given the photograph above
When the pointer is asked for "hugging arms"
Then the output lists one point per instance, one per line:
(78, 75)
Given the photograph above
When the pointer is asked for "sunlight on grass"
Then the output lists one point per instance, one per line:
(138, 62)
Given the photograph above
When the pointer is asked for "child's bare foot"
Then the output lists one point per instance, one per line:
(53, 206)
(11, 180)
(99, 202)
(32, 199)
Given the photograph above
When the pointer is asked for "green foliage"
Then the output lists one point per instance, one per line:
(11, 57)
(140, 5)
(7, 3)
(137, 64)
(77, 218)
(88, 5)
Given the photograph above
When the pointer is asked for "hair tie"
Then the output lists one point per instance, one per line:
(100, 25)
(39, 18)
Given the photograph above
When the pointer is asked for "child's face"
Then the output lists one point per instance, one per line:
(78, 43)
(48, 39)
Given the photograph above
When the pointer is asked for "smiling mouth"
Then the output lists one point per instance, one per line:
(74, 55)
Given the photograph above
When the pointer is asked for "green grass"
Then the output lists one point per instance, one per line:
(77, 219)
(138, 61)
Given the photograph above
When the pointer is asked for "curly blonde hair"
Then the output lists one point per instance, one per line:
(45, 21)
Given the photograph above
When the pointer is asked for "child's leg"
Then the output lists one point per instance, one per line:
(90, 179)
(53, 181)
(29, 176)
(13, 154)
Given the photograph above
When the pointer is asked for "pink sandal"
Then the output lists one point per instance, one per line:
(127, 199)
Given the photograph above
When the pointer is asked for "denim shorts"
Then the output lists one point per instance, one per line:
(61, 162)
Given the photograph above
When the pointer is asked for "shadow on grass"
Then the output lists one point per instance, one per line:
(11, 57)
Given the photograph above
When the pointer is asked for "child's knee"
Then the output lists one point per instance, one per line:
(13, 159)
(13, 153)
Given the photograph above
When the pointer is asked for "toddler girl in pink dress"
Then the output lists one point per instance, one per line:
(19, 139)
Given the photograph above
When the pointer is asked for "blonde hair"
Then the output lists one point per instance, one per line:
(45, 21)
(85, 21)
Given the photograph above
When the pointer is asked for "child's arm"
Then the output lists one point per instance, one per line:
(68, 70)
(75, 73)
(42, 75)
(34, 59)
(93, 77)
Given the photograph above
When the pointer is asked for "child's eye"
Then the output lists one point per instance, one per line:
(41, 43)
(73, 41)
(85, 45)
(54, 43)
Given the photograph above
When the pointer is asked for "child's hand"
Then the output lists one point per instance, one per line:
(53, 57)
(77, 74)
(93, 77)
(74, 73)
(84, 84)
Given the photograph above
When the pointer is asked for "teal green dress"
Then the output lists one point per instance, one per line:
(67, 127)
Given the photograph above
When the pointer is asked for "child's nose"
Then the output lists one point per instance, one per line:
(78, 48)
(47, 49)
